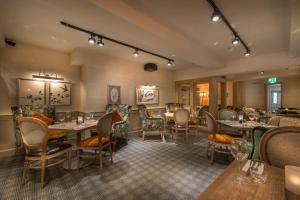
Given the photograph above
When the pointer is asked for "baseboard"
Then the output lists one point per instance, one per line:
(7, 152)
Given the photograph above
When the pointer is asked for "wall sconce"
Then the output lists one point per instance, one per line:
(47, 76)
(202, 94)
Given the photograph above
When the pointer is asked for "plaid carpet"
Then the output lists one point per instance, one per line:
(146, 169)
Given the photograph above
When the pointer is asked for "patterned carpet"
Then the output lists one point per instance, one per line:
(147, 169)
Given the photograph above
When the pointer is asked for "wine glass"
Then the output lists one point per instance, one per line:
(87, 116)
(240, 149)
(61, 118)
(251, 117)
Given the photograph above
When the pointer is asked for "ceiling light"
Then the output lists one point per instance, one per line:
(235, 41)
(247, 53)
(262, 72)
(215, 16)
(136, 53)
(92, 40)
(100, 42)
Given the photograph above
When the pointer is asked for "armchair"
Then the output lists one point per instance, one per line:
(31, 111)
(120, 128)
(150, 125)
(171, 107)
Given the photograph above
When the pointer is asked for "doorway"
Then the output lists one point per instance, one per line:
(273, 97)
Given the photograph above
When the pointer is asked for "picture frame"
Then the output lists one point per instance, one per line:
(145, 96)
(31, 92)
(60, 93)
(113, 94)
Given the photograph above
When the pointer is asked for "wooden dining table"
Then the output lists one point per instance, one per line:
(225, 188)
(71, 128)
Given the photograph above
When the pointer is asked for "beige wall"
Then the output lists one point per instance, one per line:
(23, 61)
(252, 93)
(99, 71)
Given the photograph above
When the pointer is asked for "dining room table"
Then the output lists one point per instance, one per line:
(225, 188)
(245, 127)
(71, 128)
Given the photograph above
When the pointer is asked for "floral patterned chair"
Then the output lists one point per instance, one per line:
(171, 107)
(120, 128)
(150, 125)
(45, 113)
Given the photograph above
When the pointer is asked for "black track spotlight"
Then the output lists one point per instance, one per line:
(92, 40)
(215, 16)
(169, 63)
(100, 42)
(235, 41)
(247, 53)
(136, 53)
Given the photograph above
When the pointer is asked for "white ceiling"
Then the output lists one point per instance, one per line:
(173, 28)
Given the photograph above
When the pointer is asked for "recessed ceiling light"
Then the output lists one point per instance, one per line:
(262, 72)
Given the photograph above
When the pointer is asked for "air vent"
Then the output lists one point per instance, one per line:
(150, 67)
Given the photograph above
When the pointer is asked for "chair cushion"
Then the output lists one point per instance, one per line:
(42, 117)
(116, 117)
(220, 138)
(52, 148)
(56, 134)
(93, 141)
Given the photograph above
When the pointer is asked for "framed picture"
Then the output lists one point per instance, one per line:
(31, 92)
(60, 93)
(113, 94)
(147, 96)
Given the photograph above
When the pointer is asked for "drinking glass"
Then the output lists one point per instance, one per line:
(241, 118)
(88, 116)
(259, 172)
(240, 149)
(80, 120)
(251, 117)
(61, 118)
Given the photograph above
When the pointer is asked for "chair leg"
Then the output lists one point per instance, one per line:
(25, 170)
(186, 136)
(100, 159)
(69, 154)
(208, 153)
(176, 135)
(143, 137)
(43, 169)
(111, 152)
(212, 155)
(78, 158)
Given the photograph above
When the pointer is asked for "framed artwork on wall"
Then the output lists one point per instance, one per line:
(146, 95)
(113, 94)
(60, 93)
(31, 92)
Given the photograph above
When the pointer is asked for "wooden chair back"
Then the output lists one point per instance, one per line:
(181, 116)
(211, 123)
(104, 126)
(281, 146)
(34, 133)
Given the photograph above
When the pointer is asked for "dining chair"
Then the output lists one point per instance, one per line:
(227, 114)
(35, 136)
(100, 142)
(217, 142)
(181, 118)
(281, 146)
(150, 125)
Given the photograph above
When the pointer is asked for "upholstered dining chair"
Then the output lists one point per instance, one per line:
(217, 142)
(150, 125)
(100, 142)
(35, 136)
(181, 118)
(281, 146)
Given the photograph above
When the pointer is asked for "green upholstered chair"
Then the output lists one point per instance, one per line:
(171, 107)
(120, 129)
(150, 125)
(27, 111)
(256, 135)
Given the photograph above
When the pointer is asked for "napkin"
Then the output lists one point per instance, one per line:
(258, 165)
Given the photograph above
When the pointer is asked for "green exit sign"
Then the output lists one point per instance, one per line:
(272, 79)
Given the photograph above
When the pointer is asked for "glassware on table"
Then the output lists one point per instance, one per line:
(259, 172)
(251, 117)
(61, 118)
(241, 118)
(68, 117)
(240, 149)
(88, 116)
(79, 120)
